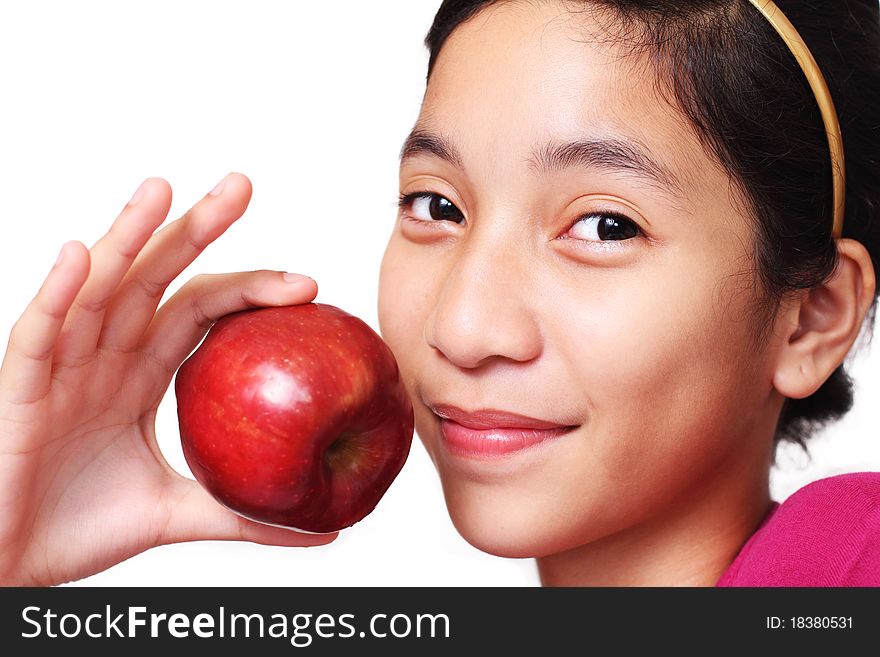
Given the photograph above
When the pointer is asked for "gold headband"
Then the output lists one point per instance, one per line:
(823, 96)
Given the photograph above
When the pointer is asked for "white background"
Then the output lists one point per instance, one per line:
(312, 101)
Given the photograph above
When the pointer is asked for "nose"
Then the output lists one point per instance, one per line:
(484, 310)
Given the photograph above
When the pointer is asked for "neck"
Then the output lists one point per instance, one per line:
(691, 543)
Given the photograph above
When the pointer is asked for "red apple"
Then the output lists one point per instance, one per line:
(294, 416)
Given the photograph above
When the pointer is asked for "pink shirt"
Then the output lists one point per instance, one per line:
(825, 534)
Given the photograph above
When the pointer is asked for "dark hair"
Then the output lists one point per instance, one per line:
(742, 90)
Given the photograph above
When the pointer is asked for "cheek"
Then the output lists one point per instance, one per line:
(666, 373)
(404, 303)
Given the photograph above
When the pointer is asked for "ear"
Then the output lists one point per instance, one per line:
(820, 328)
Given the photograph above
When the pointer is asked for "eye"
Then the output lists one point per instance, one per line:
(605, 227)
(427, 206)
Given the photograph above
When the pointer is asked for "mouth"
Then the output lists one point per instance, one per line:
(493, 433)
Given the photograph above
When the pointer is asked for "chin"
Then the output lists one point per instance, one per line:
(517, 533)
(497, 541)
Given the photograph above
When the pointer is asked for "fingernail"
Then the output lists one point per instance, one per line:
(60, 255)
(294, 278)
(139, 194)
(219, 188)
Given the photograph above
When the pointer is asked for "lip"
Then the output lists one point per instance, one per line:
(492, 433)
(491, 418)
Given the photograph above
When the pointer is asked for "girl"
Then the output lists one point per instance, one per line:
(614, 286)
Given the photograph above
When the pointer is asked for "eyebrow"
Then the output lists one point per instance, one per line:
(422, 142)
(608, 154)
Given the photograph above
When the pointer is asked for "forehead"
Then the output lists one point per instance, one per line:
(521, 74)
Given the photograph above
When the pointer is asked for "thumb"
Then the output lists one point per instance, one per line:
(193, 515)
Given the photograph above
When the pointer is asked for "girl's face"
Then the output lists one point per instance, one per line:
(575, 256)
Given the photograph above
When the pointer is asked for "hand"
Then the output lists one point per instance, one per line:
(83, 484)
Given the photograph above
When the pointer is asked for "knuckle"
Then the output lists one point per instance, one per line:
(255, 286)
(18, 330)
(127, 251)
(150, 288)
(200, 281)
(189, 224)
(18, 339)
(96, 305)
(200, 316)
(42, 307)
(247, 298)
(121, 243)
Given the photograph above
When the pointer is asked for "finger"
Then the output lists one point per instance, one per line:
(167, 254)
(111, 257)
(25, 375)
(184, 319)
(193, 515)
